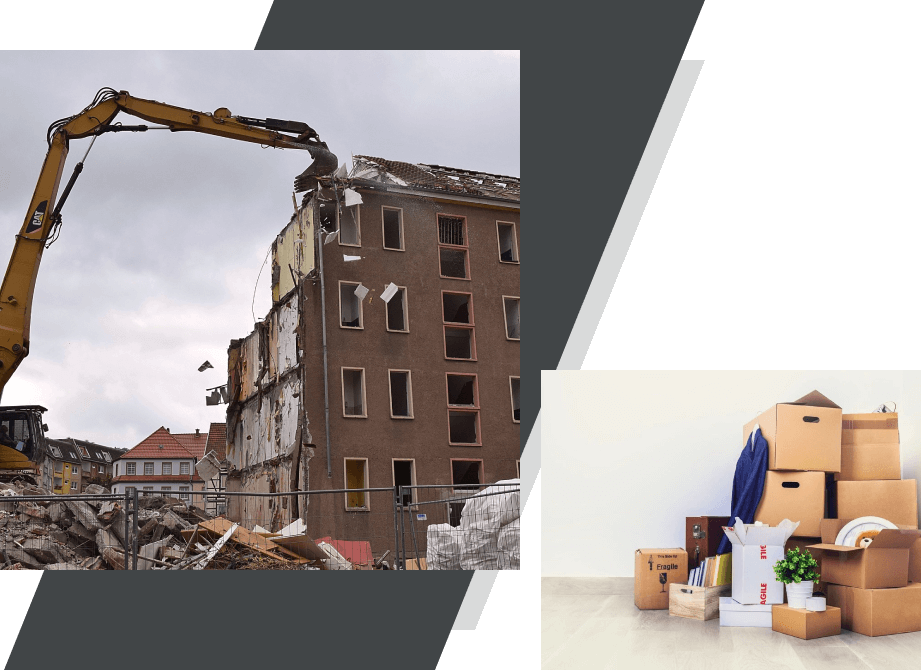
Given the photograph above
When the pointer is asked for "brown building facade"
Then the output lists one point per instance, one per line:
(413, 272)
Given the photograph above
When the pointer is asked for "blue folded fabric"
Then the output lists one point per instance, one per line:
(748, 483)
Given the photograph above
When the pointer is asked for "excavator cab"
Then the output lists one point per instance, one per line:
(22, 442)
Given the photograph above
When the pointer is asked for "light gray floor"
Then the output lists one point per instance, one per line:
(593, 623)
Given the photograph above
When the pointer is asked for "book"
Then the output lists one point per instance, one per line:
(725, 572)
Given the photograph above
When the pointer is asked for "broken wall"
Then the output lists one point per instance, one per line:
(292, 254)
(283, 473)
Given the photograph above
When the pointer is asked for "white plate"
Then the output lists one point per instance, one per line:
(848, 535)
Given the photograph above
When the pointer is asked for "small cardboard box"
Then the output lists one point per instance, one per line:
(802, 435)
(653, 571)
(733, 613)
(878, 611)
(755, 549)
(914, 563)
(798, 496)
(696, 602)
(884, 564)
(870, 447)
(893, 500)
(804, 624)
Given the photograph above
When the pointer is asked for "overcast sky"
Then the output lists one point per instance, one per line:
(164, 234)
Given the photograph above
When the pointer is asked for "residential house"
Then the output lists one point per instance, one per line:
(410, 274)
(98, 461)
(66, 464)
(160, 464)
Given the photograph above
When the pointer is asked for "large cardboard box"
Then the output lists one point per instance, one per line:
(893, 500)
(653, 571)
(878, 611)
(884, 564)
(804, 624)
(802, 435)
(914, 563)
(870, 447)
(755, 550)
(797, 496)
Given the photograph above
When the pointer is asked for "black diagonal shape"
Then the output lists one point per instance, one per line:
(25, 585)
(495, 621)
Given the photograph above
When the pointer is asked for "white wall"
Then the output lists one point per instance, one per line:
(627, 455)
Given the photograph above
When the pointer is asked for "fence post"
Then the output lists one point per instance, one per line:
(402, 532)
(134, 540)
(127, 515)
(396, 534)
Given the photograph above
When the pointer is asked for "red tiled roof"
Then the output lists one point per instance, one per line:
(217, 440)
(195, 444)
(151, 447)
(157, 478)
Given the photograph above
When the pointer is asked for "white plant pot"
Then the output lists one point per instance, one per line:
(797, 594)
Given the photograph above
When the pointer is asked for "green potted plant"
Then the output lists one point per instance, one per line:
(798, 570)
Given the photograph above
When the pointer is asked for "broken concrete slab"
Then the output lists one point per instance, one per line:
(85, 514)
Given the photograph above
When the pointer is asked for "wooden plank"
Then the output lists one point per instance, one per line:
(414, 564)
(200, 565)
(302, 546)
(244, 536)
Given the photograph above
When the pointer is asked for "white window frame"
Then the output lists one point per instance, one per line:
(345, 481)
(364, 393)
(339, 217)
(184, 493)
(361, 306)
(131, 468)
(511, 393)
(166, 466)
(185, 468)
(412, 492)
(399, 211)
(404, 294)
(151, 467)
(409, 393)
(517, 299)
(499, 224)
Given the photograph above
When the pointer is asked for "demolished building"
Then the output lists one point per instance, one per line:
(391, 354)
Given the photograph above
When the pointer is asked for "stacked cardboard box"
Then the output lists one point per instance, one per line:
(871, 586)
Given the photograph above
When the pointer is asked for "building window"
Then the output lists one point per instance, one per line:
(147, 491)
(452, 247)
(512, 308)
(457, 312)
(106, 457)
(463, 424)
(468, 475)
(166, 469)
(131, 468)
(148, 468)
(508, 242)
(401, 394)
(397, 314)
(84, 452)
(54, 451)
(518, 468)
(350, 305)
(183, 493)
(515, 384)
(404, 474)
(356, 477)
(184, 468)
(350, 227)
(393, 228)
(353, 392)
(166, 488)
(329, 216)
(130, 490)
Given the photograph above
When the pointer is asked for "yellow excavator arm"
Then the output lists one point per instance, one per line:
(44, 211)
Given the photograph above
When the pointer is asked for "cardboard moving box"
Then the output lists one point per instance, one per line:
(870, 447)
(801, 435)
(804, 624)
(653, 571)
(893, 500)
(755, 549)
(884, 564)
(798, 496)
(878, 611)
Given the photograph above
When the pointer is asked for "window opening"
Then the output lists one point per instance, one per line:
(508, 244)
(353, 392)
(512, 318)
(396, 312)
(393, 229)
(401, 401)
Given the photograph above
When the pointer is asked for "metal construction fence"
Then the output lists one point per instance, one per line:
(400, 527)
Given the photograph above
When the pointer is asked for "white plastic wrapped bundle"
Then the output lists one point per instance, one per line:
(510, 546)
(502, 508)
(443, 550)
(479, 541)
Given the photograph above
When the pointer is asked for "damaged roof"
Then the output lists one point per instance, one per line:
(436, 178)
(68, 450)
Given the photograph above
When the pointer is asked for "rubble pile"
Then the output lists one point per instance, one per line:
(59, 533)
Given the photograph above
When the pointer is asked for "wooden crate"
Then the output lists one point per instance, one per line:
(696, 602)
